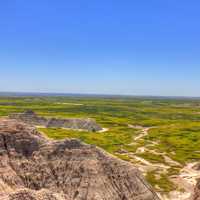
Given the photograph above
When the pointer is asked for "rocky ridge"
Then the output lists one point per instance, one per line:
(32, 118)
(33, 167)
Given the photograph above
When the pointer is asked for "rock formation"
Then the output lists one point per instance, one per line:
(72, 123)
(196, 194)
(33, 167)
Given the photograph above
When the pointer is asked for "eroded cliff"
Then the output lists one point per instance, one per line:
(35, 168)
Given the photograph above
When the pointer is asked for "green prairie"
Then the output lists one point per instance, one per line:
(174, 127)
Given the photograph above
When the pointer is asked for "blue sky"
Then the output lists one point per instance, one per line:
(145, 47)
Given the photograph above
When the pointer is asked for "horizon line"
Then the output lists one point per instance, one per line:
(25, 93)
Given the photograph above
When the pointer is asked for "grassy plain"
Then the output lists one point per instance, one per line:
(175, 123)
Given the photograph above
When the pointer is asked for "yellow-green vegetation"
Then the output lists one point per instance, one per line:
(111, 141)
(161, 182)
(153, 158)
(175, 122)
(180, 141)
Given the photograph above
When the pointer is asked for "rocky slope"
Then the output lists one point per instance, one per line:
(72, 123)
(33, 167)
(196, 195)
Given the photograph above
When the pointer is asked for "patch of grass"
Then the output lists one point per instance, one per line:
(123, 157)
(153, 158)
(161, 183)
(173, 171)
(180, 141)
(112, 140)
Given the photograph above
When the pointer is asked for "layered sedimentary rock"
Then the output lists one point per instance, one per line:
(72, 123)
(35, 168)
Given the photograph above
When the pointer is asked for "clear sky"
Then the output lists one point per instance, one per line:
(139, 47)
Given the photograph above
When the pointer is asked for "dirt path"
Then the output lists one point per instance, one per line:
(144, 132)
(73, 104)
(103, 130)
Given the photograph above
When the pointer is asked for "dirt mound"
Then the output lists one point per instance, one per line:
(33, 167)
(32, 118)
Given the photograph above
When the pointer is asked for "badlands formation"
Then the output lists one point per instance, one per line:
(33, 167)
(32, 118)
